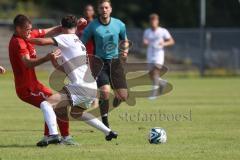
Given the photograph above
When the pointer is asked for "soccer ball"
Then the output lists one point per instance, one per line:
(157, 135)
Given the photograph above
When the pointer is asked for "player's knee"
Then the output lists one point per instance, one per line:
(104, 93)
(123, 96)
(45, 104)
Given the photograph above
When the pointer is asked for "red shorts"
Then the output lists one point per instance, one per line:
(34, 96)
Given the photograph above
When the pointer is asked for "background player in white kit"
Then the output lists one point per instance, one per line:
(82, 89)
(156, 38)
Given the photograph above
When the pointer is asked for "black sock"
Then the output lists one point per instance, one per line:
(104, 107)
(105, 121)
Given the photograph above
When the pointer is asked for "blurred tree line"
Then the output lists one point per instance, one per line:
(173, 13)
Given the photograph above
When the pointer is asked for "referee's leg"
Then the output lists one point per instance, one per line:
(104, 103)
(118, 82)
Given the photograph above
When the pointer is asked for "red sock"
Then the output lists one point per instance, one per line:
(63, 122)
(63, 127)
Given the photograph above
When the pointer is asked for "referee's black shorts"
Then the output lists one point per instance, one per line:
(111, 71)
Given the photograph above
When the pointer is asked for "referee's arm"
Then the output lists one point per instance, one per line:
(124, 48)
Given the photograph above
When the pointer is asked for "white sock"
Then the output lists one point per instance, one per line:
(154, 87)
(162, 82)
(49, 117)
(94, 122)
(105, 115)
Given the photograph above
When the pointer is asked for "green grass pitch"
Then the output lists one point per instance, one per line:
(203, 123)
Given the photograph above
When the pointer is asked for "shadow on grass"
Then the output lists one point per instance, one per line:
(36, 130)
(20, 130)
(18, 146)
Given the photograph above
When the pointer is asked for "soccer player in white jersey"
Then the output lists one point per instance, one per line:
(82, 89)
(156, 38)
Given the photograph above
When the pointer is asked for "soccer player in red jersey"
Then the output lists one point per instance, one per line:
(89, 15)
(24, 59)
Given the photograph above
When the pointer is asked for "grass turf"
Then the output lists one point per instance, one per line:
(201, 117)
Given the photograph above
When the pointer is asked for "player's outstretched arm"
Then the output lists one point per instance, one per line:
(53, 30)
(58, 29)
(2, 70)
(42, 41)
(31, 63)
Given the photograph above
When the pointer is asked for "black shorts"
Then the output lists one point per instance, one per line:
(111, 72)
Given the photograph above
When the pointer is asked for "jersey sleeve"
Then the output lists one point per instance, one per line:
(87, 33)
(22, 47)
(166, 34)
(60, 41)
(38, 33)
(123, 32)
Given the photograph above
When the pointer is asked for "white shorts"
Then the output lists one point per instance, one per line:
(152, 66)
(155, 59)
(81, 95)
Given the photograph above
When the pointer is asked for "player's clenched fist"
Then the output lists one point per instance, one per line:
(82, 21)
(2, 70)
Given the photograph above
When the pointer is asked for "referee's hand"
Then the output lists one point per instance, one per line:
(124, 56)
(82, 21)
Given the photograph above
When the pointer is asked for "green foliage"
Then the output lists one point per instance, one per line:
(11, 8)
(174, 13)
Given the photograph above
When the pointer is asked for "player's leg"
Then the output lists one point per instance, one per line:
(56, 101)
(160, 69)
(36, 98)
(154, 76)
(104, 103)
(63, 125)
(118, 82)
(62, 118)
(79, 113)
(104, 89)
(83, 97)
(158, 83)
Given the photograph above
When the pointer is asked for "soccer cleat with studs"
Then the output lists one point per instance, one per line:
(52, 139)
(111, 135)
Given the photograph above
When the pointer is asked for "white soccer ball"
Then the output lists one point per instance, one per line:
(157, 135)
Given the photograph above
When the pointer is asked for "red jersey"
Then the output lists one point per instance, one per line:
(90, 43)
(18, 47)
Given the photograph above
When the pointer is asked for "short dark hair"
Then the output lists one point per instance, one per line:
(69, 21)
(21, 20)
(103, 1)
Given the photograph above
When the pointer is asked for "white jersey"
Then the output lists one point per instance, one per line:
(74, 59)
(155, 52)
